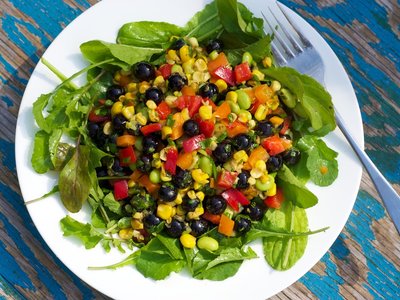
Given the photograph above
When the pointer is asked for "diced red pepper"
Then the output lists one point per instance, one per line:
(273, 145)
(165, 70)
(94, 117)
(120, 189)
(193, 103)
(127, 156)
(234, 197)
(206, 127)
(153, 127)
(286, 124)
(254, 106)
(242, 73)
(276, 200)
(235, 128)
(226, 74)
(193, 143)
(226, 179)
(163, 110)
(211, 217)
(172, 158)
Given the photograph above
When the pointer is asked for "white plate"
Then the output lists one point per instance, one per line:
(255, 277)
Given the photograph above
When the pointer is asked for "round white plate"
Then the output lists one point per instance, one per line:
(255, 278)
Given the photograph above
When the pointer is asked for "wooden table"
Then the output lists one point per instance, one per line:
(363, 263)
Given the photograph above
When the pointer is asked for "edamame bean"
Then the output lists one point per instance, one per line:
(155, 176)
(263, 187)
(247, 58)
(234, 107)
(207, 243)
(243, 100)
(205, 165)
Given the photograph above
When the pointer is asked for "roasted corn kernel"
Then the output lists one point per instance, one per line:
(200, 176)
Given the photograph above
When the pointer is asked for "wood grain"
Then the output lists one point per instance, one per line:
(363, 263)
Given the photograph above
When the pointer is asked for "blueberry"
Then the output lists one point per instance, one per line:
(119, 122)
(264, 129)
(144, 71)
(223, 152)
(214, 45)
(182, 178)
(243, 178)
(242, 225)
(208, 90)
(242, 141)
(113, 92)
(151, 221)
(150, 143)
(291, 157)
(198, 227)
(215, 204)
(93, 130)
(167, 192)
(255, 212)
(176, 82)
(154, 94)
(144, 163)
(191, 128)
(189, 204)
(274, 163)
(178, 44)
(175, 228)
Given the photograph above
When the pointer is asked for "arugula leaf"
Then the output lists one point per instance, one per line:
(127, 55)
(40, 160)
(282, 253)
(112, 204)
(85, 232)
(148, 34)
(314, 102)
(74, 181)
(294, 190)
(258, 50)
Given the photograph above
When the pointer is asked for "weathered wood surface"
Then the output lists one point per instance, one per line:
(363, 263)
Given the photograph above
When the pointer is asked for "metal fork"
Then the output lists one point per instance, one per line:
(291, 48)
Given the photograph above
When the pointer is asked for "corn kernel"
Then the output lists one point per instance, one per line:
(136, 224)
(172, 56)
(267, 62)
(117, 76)
(159, 81)
(251, 124)
(164, 211)
(126, 233)
(178, 199)
(131, 183)
(141, 119)
(151, 104)
(171, 101)
(107, 129)
(260, 164)
(116, 108)
(138, 215)
(221, 85)
(128, 112)
(275, 85)
(129, 96)
(264, 178)
(276, 121)
(200, 176)
(193, 42)
(200, 196)
(251, 181)
(200, 65)
(156, 163)
(166, 131)
(231, 96)
(205, 112)
(258, 74)
(244, 116)
(196, 213)
(153, 116)
(256, 173)
(197, 186)
(272, 190)
(261, 113)
(188, 67)
(188, 241)
(164, 176)
(191, 194)
(132, 87)
(241, 156)
(185, 114)
(184, 53)
(143, 87)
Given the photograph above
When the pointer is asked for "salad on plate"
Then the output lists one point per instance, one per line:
(188, 144)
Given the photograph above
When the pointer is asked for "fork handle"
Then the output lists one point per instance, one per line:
(389, 196)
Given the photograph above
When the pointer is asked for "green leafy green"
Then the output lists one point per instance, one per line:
(321, 160)
(112, 204)
(294, 190)
(282, 253)
(74, 181)
(41, 160)
(259, 50)
(148, 34)
(85, 232)
(314, 102)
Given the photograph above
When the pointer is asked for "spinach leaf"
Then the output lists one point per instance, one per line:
(85, 232)
(148, 34)
(74, 181)
(41, 160)
(125, 55)
(205, 24)
(282, 253)
(321, 160)
(294, 190)
(314, 103)
(258, 50)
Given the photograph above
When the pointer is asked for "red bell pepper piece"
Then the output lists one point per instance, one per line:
(163, 110)
(276, 200)
(242, 72)
(206, 127)
(234, 197)
(127, 156)
(153, 127)
(193, 103)
(273, 145)
(226, 74)
(172, 158)
(165, 70)
(120, 189)
(193, 143)
(97, 118)
(226, 179)
(286, 124)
